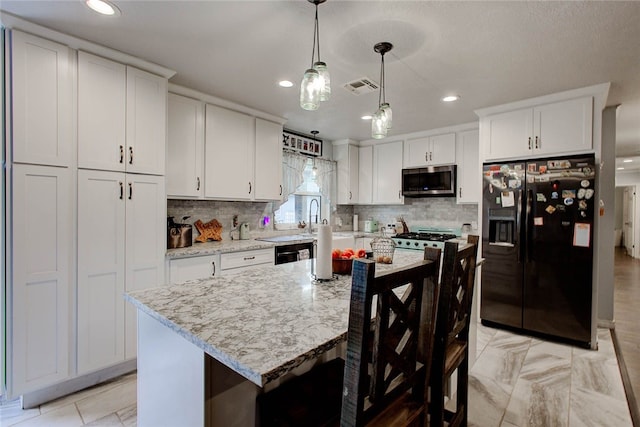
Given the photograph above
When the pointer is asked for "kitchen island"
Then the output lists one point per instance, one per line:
(207, 348)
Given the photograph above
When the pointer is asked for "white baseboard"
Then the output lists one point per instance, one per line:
(35, 398)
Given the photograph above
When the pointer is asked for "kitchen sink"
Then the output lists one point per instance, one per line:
(287, 238)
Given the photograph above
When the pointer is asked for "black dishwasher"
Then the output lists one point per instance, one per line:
(291, 253)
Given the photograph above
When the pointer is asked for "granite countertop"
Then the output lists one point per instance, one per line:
(262, 322)
(225, 246)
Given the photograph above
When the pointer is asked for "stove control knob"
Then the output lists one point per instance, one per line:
(416, 244)
(407, 243)
(434, 245)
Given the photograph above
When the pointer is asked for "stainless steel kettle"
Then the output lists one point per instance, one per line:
(244, 231)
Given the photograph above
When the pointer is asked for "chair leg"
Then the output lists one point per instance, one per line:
(436, 406)
(463, 390)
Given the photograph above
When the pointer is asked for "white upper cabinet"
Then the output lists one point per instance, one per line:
(563, 127)
(39, 328)
(468, 167)
(185, 147)
(347, 158)
(387, 173)
(430, 151)
(41, 100)
(146, 122)
(121, 117)
(365, 175)
(268, 160)
(229, 151)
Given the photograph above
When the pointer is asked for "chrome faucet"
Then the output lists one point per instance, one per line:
(317, 212)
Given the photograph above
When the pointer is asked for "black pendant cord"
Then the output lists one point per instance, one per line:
(317, 34)
(381, 94)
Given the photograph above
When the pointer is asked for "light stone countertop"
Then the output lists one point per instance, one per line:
(262, 322)
(227, 245)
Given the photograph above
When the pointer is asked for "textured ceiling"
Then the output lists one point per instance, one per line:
(489, 53)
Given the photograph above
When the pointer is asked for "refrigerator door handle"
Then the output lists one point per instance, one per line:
(528, 225)
(519, 226)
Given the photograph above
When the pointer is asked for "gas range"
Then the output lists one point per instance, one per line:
(420, 238)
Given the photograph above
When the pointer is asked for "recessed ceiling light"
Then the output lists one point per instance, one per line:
(627, 161)
(450, 98)
(103, 7)
(366, 117)
(285, 83)
(620, 168)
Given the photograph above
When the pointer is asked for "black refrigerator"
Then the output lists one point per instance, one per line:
(538, 228)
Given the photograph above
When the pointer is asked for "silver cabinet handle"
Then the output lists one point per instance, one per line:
(121, 191)
(198, 187)
(213, 270)
(121, 154)
(130, 190)
(529, 143)
(130, 155)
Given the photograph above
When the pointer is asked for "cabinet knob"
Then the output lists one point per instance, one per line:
(130, 155)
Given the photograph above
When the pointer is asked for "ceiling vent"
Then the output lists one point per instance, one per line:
(362, 85)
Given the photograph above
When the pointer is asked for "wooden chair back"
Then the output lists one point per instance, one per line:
(378, 372)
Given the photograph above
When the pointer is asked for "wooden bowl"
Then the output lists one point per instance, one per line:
(342, 266)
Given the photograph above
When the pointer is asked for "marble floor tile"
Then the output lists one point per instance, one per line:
(114, 399)
(487, 401)
(545, 347)
(547, 370)
(598, 374)
(65, 416)
(537, 405)
(590, 409)
(511, 342)
(507, 424)
(129, 415)
(110, 420)
(501, 365)
(484, 334)
(11, 413)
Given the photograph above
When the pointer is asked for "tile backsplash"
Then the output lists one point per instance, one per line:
(433, 212)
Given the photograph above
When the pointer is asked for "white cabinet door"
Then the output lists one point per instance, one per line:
(268, 160)
(365, 175)
(347, 158)
(387, 173)
(146, 122)
(40, 322)
(101, 268)
(507, 134)
(443, 149)
(145, 242)
(468, 170)
(185, 147)
(430, 151)
(41, 101)
(198, 267)
(229, 139)
(563, 127)
(101, 113)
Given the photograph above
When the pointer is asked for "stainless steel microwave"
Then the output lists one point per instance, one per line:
(430, 181)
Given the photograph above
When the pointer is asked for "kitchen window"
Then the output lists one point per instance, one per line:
(295, 209)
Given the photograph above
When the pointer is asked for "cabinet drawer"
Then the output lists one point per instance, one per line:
(200, 267)
(246, 258)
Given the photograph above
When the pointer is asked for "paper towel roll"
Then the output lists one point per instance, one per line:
(323, 258)
(355, 223)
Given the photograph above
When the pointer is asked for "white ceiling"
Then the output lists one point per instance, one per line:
(489, 53)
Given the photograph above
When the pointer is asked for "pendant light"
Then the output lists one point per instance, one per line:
(314, 169)
(316, 82)
(381, 120)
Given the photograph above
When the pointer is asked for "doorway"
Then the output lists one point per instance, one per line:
(630, 221)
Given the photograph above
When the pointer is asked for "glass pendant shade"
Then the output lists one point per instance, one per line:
(388, 114)
(325, 80)
(310, 90)
(379, 124)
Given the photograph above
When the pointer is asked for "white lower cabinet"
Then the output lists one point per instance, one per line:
(39, 327)
(234, 262)
(121, 241)
(197, 267)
